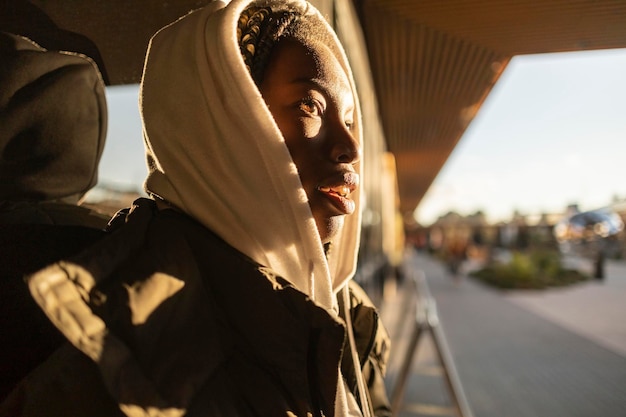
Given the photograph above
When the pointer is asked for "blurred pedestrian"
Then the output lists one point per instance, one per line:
(455, 253)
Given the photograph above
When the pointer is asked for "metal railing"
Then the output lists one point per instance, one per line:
(427, 320)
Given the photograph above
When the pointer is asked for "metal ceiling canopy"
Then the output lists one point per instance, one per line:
(434, 62)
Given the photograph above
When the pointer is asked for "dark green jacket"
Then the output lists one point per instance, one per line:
(177, 322)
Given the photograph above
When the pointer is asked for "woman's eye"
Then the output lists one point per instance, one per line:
(311, 106)
(349, 124)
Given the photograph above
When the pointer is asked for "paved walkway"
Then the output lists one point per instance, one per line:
(559, 353)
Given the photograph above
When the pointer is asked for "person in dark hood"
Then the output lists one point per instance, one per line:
(53, 122)
(227, 292)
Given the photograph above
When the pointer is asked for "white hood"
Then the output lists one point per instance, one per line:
(215, 152)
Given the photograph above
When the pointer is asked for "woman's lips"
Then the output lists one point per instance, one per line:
(338, 192)
(343, 204)
(341, 190)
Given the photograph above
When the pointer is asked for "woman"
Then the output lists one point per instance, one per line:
(226, 293)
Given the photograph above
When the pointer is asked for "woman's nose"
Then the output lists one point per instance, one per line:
(346, 148)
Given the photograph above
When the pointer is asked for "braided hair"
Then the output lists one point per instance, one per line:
(260, 28)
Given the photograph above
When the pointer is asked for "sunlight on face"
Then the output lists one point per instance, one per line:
(309, 95)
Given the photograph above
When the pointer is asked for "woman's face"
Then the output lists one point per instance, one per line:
(309, 95)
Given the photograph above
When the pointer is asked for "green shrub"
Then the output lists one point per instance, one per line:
(533, 270)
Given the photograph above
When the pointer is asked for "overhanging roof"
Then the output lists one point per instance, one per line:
(434, 62)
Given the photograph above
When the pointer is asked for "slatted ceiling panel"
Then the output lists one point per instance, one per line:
(425, 70)
(425, 165)
(547, 25)
(434, 62)
(430, 84)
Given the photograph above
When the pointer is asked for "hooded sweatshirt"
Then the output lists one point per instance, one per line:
(215, 152)
(54, 120)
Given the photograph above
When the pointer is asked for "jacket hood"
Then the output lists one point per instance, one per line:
(54, 120)
(215, 152)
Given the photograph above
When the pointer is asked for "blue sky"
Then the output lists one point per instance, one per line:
(122, 164)
(551, 133)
